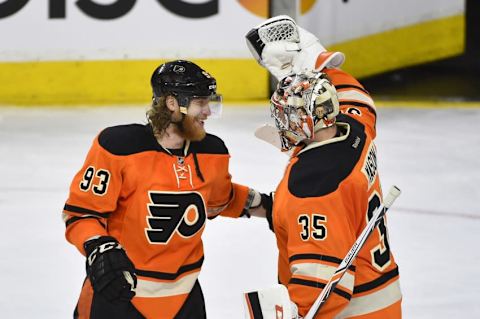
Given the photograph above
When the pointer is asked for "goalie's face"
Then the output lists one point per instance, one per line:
(293, 123)
(302, 104)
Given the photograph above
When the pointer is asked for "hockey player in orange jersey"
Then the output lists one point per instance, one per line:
(137, 208)
(331, 185)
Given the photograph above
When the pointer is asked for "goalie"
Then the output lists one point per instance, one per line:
(325, 119)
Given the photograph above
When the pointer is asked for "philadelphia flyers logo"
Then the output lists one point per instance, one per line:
(183, 213)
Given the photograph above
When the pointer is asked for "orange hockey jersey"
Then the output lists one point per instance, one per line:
(327, 195)
(155, 204)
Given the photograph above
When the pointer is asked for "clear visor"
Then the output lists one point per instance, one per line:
(216, 105)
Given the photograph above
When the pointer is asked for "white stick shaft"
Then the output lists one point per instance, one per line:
(353, 252)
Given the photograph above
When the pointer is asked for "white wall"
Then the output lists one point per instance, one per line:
(335, 21)
(149, 31)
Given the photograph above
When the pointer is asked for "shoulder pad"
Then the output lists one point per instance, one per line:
(127, 139)
(211, 144)
(319, 171)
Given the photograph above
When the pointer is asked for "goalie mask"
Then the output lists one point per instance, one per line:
(301, 105)
(185, 81)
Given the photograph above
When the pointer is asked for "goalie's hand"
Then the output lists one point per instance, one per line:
(267, 204)
(109, 269)
(282, 47)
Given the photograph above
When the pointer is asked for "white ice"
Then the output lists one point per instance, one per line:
(431, 154)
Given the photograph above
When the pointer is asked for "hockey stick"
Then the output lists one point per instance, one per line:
(269, 134)
(348, 260)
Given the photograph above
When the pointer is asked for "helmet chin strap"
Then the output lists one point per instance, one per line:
(183, 110)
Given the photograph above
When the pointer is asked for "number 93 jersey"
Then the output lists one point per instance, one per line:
(328, 194)
(155, 203)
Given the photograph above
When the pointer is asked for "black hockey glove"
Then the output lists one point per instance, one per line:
(267, 203)
(109, 269)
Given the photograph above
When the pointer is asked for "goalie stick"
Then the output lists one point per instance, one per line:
(348, 260)
(269, 134)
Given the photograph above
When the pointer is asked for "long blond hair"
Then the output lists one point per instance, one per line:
(158, 115)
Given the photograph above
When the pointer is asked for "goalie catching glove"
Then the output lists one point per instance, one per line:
(109, 269)
(282, 47)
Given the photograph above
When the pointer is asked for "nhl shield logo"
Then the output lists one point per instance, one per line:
(180, 160)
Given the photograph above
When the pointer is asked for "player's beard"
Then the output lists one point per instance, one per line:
(190, 128)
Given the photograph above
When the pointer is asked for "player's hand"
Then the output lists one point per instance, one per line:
(109, 269)
(261, 206)
(267, 204)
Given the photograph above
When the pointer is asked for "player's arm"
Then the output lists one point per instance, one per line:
(283, 47)
(354, 99)
(235, 200)
(242, 202)
(94, 192)
(93, 196)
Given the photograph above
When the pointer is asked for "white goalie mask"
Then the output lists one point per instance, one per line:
(301, 105)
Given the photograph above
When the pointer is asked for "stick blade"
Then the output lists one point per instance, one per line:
(392, 195)
(269, 134)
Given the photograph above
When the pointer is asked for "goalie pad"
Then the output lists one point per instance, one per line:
(282, 47)
(269, 303)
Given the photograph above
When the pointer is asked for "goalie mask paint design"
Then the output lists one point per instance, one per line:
(303, 104)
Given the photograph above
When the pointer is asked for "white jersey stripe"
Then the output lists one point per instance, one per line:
(356, 96)
(322, 272)
(372, 302)
(153, 289)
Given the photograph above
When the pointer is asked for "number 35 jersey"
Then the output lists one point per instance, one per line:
(327, 195)
(155, 204)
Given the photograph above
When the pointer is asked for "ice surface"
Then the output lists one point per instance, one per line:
(431, 154)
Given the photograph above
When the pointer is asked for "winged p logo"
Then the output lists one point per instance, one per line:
(183, 213)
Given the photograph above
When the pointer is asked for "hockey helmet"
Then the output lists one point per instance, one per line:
(184, 80)
(302, 104)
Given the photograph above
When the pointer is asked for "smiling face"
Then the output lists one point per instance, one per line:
(190, 121)
(199, 109)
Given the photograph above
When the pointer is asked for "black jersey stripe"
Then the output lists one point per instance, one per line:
(330, 259)
(170, 276)
(355, 103)
(350, 86)
(76, 218)
(255, 305)
(377, 282)
(85, 211)
(315, 284)
(359, 104)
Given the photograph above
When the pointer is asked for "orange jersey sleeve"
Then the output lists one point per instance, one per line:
(227, 198)
(94, 192)
(354, 100)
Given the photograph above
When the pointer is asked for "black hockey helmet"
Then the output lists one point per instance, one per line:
(184, 80)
